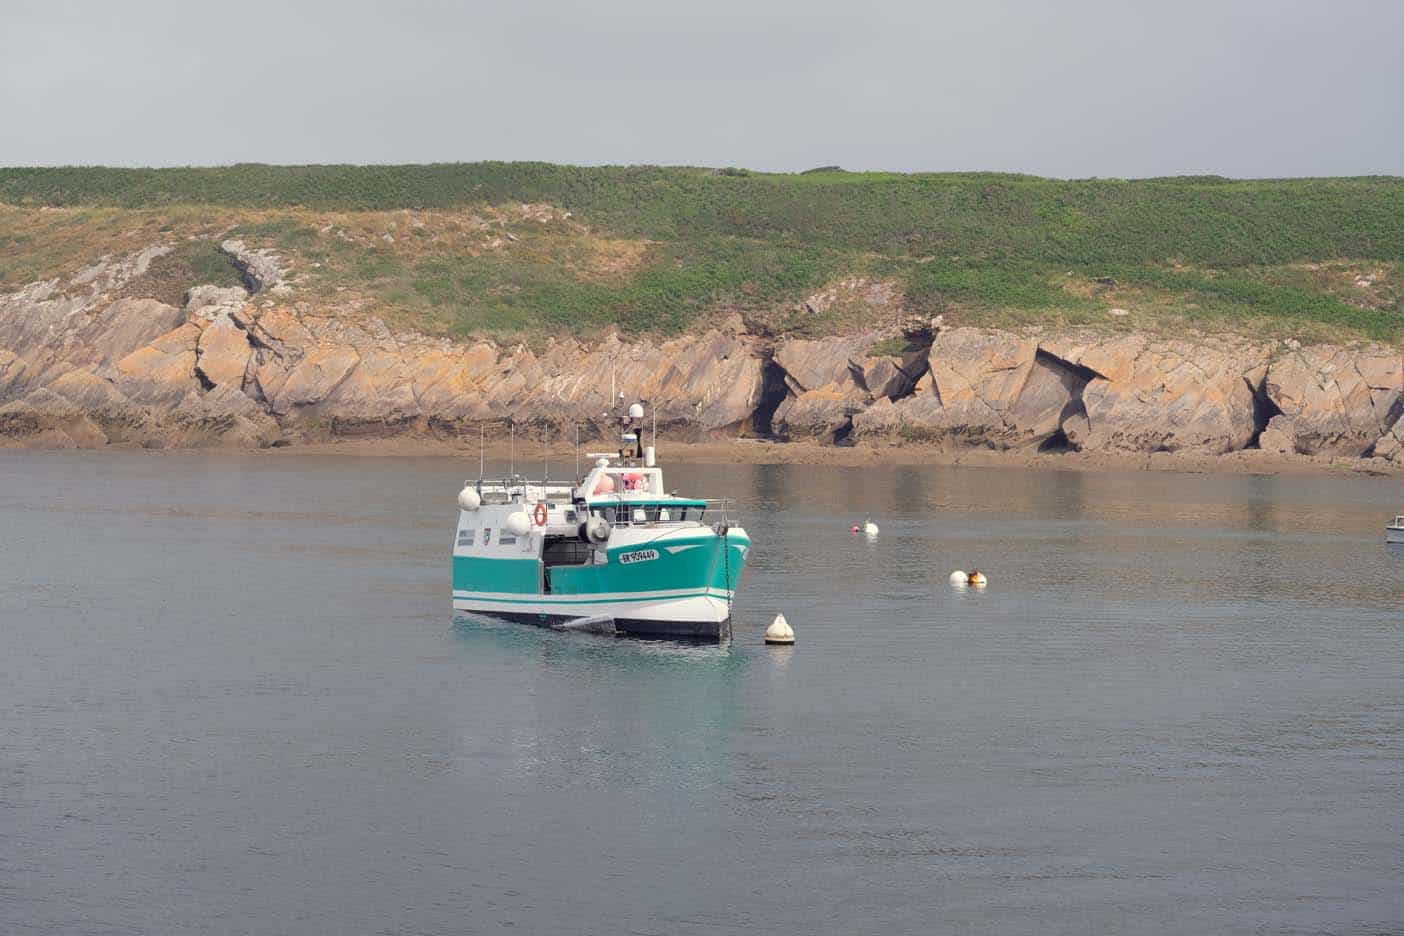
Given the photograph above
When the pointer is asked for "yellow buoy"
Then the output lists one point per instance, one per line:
(977, 578)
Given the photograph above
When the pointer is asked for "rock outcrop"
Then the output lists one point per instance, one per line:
(985, 388)
(826, 383)
(260, 268)
(1148, 395)
(830, 381)
(83, 365)
(1137, 394)
(1334, 401)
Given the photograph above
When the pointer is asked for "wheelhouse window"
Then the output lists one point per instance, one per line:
(627, 514)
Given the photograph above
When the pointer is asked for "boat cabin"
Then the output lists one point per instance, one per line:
(523, 520)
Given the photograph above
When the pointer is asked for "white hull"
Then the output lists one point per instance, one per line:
(1394, 534)
(705, 617)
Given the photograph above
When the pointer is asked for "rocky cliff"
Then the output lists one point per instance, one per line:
(82, 364)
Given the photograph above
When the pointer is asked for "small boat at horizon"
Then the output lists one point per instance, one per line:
(615, 550)
(1394, 532)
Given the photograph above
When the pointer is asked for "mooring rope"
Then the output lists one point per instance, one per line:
(726, 561)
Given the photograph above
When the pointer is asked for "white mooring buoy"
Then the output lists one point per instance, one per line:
(869, 527)
(959, 578)
(779, 631)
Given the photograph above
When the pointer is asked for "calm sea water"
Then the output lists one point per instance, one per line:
(235, 700)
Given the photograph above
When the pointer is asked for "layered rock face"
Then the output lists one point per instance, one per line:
(81, 365)
(1333, 401)
(1137, 394)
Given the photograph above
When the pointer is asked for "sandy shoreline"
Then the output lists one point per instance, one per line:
(756, 452)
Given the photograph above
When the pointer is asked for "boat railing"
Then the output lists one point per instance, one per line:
(505, 490)
(621, 512)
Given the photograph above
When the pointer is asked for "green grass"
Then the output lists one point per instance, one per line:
(1202, 252)
(1198, 220)
(191, 262)
(516, 291)
(895, 346)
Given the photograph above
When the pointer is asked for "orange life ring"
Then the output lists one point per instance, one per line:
(540, 514)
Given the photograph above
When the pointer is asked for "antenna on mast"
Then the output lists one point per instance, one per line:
(512, 450)
(482, 449)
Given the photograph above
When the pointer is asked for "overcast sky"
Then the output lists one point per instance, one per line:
(1061, 88)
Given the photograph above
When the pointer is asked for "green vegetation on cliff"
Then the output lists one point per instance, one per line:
(527, 248)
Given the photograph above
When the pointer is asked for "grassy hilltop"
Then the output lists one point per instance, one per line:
(526, 249)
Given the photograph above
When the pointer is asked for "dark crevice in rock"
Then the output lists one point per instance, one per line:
(253, 389)
(1263, 411)
(258, 269)
(1074, 378)
(1396, 410)
(860, 380)
(914, 366)
(206, 384)
(774, 389)
(1075, 409)
(843, 435)
(258, 343)
(1079, 372)
(920, 337)
(251, 282)
(1057, 442)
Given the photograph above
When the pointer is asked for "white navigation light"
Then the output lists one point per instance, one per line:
(636, 411)
(468, 499)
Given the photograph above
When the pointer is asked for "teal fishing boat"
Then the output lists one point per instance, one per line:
(614, 551)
